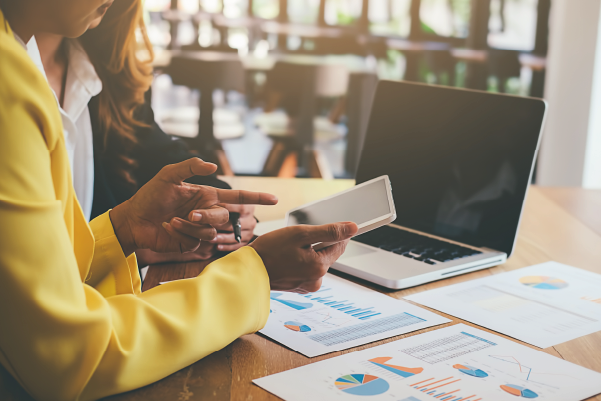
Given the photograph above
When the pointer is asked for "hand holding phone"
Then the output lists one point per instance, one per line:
(370, 205)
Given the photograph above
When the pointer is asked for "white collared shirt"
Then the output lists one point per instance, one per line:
(82, 84)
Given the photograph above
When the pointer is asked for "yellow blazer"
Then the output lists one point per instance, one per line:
(74, 324)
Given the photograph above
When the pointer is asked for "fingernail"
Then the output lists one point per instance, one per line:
(165, 224)
(176, 223)
(196, 216)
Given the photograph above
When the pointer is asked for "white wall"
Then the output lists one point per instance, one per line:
(571, 148)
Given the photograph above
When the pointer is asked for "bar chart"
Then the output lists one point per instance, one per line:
(444, 389)
(344, 306)
(340, 315)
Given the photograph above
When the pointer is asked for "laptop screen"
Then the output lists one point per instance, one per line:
(459, 161)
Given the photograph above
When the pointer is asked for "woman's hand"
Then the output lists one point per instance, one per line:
(225, 241)
(169, 215)
(206, 250)
(292, 264)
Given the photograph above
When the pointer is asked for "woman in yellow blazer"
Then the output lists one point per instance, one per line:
(73, 322)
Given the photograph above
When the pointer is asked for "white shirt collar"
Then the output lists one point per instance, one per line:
(34, 55)
(82, 81)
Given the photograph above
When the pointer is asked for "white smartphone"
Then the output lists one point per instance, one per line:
(369, 205)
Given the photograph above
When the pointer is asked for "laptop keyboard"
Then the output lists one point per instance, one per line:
(414, 246)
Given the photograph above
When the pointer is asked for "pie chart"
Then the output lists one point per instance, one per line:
(359, 384)
(296, 326)
(470, 370)
(543, 282)
(518, 391)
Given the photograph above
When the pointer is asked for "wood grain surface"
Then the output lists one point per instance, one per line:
(584, 204)
(557, 224)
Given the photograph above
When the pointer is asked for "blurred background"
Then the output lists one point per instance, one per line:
(283, 87)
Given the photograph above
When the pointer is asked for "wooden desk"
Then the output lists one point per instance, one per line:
(549, 231)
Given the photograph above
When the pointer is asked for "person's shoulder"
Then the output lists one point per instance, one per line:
(17, 69)
(24, 91)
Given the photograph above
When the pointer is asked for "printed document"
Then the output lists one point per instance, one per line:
(341, 315)
(451, 364)
(543, 305)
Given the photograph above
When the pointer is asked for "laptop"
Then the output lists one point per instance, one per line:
(460, 163)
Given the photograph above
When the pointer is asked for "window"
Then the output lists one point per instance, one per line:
(267, 9)
(342, 12)
(189, 6)
(512, 24)
(211, 6)
(303, 11)
(390, 17)
(448, 18)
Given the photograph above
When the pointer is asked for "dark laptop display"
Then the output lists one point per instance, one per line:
(459, 161)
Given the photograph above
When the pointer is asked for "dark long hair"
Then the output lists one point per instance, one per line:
(112, 48)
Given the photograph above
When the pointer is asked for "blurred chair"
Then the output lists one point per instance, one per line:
(504, 64)
(442, 64)
(296, 87)
(208, 71)
(415, 53)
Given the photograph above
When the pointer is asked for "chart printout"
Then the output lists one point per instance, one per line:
(341, 315)
(451, 364)
(543, 305)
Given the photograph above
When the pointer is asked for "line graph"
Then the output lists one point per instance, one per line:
(327, 318)
(528, 370)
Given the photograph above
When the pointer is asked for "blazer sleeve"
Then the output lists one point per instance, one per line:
(60, 338)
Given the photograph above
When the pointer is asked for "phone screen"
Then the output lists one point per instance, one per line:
(359, 206)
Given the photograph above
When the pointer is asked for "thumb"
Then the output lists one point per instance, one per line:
(177, 173)
(334, 232)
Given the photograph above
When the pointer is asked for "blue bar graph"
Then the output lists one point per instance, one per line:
(367, 317)
(362, 313)
(352, 312)
(342, 305)
(333, 304)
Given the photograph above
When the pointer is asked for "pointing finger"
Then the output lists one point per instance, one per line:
(242, 209)
(177, 173)
(245, 197)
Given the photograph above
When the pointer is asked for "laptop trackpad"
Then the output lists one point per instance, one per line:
(353, 249)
